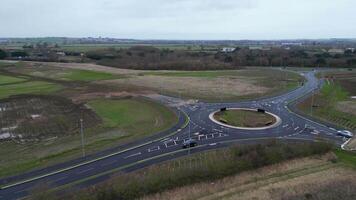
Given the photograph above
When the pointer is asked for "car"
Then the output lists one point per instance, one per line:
(345, 133)
(189, 143)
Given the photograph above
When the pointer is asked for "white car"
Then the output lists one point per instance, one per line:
(345, 133)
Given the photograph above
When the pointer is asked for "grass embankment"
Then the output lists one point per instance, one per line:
(245, 118)
(315, 177)
(323, 105)
(208, 166)
(124, 121)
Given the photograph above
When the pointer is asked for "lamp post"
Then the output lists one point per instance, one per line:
(82, 136)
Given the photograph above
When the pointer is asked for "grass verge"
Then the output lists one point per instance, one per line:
(206, 166)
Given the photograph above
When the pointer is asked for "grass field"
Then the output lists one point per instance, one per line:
(124, 121)
(135, 116)
(244, 118)
(9, 79)
(84, 75)
(33, 87)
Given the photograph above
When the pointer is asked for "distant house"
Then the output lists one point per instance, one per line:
(336, 51)
(292, 44)
(228, 49)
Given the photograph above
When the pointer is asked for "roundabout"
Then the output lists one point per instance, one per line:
(245, 118)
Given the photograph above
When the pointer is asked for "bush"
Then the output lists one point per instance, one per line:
(2, 54)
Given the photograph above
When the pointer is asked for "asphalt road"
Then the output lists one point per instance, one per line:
(168, 144)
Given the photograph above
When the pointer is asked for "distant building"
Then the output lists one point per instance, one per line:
(350, 49)
(292, 44)
(336, 51)
(61, 54)
(228, 49)
(262, 48)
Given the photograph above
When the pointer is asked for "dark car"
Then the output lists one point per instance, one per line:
(189, 143)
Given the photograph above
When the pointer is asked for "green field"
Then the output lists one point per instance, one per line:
(9, 79)
(244, 118)
(85, 75)
(135, 116)
(33, 87)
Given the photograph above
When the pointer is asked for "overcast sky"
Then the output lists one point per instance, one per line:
(179, 19)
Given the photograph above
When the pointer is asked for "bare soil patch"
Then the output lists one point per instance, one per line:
(36, 117)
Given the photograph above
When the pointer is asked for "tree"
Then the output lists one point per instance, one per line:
(320, 61)
(19, 54)
(2, 54)
(351, 62)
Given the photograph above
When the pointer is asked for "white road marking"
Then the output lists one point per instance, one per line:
(154, 149)
(136, 154)
(296, 128)
(212, 144)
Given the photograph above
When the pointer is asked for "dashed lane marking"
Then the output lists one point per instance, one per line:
(154, 149)
(136, 154)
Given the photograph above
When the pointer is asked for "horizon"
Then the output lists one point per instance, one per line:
(148, 39)
(179, 19)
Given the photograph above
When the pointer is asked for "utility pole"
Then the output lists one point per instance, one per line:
(190, 159)
(82, 136)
